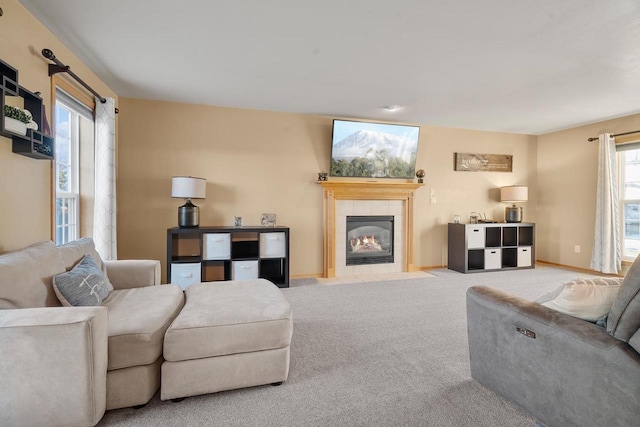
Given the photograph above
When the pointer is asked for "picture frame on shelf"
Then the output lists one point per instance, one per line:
(268, 220)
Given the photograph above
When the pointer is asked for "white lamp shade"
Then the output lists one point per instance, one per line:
(514, 193)
(188, 187)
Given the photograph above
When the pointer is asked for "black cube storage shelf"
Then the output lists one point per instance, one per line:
(207, 254)
(474, 248)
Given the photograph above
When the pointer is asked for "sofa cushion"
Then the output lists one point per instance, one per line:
(585, 298)
(84, 285)
(26, 276)
(138, 319)
(228, 318)
(73, 252)
(634, 341)
(624, 317)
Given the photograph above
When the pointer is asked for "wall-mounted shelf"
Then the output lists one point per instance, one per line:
(34, 144)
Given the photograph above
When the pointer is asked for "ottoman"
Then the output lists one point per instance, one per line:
(229, 335)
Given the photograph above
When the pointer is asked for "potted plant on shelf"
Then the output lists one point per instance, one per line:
(17, 120)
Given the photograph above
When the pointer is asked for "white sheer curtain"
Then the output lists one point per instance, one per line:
(606, 256)
(104, 214)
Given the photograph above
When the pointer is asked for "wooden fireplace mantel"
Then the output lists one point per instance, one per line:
(365, 190)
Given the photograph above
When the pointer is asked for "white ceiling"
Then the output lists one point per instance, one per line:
(504, 65)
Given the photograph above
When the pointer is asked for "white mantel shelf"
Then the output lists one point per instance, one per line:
(365, 190)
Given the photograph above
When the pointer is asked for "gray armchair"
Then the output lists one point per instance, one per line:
(564, 371)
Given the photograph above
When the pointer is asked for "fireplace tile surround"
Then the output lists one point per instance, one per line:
(346, 198)
(346, 208)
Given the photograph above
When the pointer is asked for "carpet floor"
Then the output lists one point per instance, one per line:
(386, 353)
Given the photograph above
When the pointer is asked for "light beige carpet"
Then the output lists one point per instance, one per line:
(359, 278)
(390, 353)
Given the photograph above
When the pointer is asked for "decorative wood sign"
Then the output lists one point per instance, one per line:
(474, 162)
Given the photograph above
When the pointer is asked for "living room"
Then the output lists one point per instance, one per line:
(265, 152)
(258, 160)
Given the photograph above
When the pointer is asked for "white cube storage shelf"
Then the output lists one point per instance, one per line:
(492, 259)
(524, 257)
(244, 270)
(476, 237)
(228, 253)
(185, 274)
(491, 247)
(273, 245)
(216, 246)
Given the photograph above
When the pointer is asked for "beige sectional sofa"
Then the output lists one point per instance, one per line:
(66, 365)
(229, 335)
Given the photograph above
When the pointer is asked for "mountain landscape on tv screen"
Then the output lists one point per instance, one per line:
(374, 154)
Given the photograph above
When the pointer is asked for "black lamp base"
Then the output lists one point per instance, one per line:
(188, 215)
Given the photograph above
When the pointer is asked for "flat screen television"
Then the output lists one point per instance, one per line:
(373, 150)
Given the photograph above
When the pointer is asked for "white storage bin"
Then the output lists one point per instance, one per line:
(244, 270)
(492, 259)
(185, 274)
(524, 256)
(273, 245)
(216, 246)
(475, 236)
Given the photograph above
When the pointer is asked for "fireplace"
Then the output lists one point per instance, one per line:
(347, 198)
(369, 240)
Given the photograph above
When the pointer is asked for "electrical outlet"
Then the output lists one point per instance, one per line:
(577, 249)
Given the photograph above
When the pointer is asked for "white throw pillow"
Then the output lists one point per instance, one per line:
(587, 299)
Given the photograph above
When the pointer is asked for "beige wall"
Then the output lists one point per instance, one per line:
(267, 162)
(256, 161)
(567, 176)
(25, 183)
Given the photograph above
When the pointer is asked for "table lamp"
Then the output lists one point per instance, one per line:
(188, 187)
(514, 194)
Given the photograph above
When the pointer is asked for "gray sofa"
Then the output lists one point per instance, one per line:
(66, 365)
(562, 370)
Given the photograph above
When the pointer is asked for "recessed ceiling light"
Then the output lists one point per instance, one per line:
(392, 107)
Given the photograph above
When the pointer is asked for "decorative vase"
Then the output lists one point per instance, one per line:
(15, 126)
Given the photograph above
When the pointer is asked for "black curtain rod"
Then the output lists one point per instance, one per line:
(59, 67)
(617, 134)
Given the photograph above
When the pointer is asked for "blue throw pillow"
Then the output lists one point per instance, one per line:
(84, 285)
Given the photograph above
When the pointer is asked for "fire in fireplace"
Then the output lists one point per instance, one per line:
(369, 239)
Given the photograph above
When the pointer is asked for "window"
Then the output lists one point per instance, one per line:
(629, 170)
(71, 123)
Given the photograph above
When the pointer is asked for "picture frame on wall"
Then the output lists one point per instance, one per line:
(476, 162)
